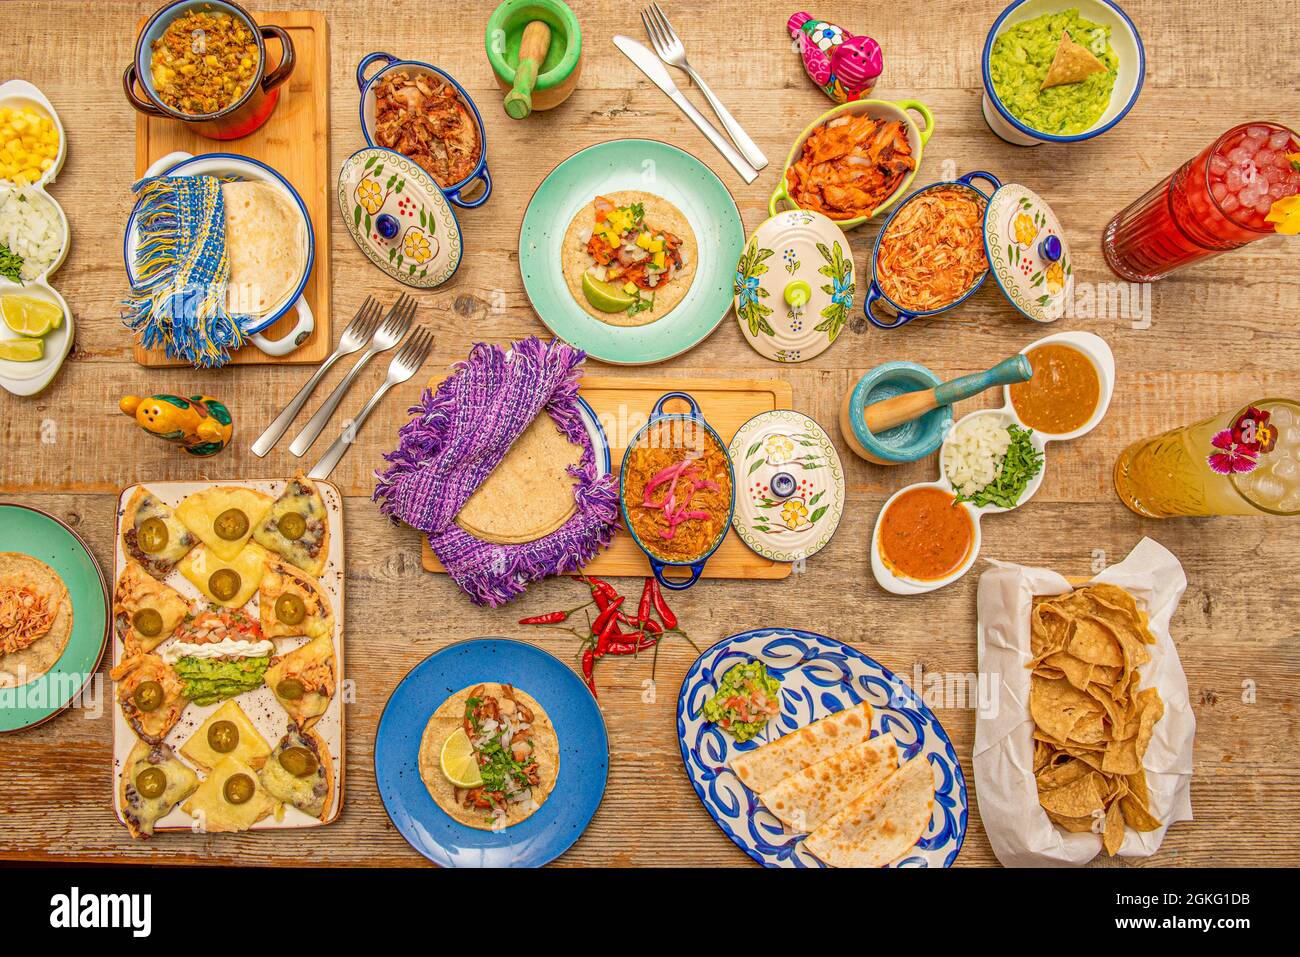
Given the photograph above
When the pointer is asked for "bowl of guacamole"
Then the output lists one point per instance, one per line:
(1060, 70)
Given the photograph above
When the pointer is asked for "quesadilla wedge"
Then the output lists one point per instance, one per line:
(35, 618)
(299, 772)
(291, 602)
(628, 257)
(150, 694)
(878, 826)
(228, 583)
(224, 516)
(297, 526)
(152, 535)
(515, 753)
(153, 782)
(303, 680)
(145, 611)
(226, 732)
(806, 798)
(766, 766)
(229, 799)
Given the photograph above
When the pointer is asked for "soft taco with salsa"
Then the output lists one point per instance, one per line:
(505, 756)
(629, 257)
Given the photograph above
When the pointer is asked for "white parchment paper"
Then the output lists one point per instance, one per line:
(1018, 828)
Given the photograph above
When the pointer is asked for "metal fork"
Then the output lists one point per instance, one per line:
(405, 364)
(395, 326)
(671, 50)
(354, 339)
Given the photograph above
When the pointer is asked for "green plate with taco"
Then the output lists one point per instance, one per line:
(628, 251)
(54, 616)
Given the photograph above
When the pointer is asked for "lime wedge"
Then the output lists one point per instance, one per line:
(29, 315)
(22, 350)
(458, 761)
(606, 296)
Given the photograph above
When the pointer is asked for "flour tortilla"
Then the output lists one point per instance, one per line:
(446, 719)
(807, 798)
(764, 767)
(659, 214)
(880, 825)
(266, 243)
(529, 494)
(27, 664)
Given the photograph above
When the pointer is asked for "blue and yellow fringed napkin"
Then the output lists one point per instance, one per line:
(182, 270)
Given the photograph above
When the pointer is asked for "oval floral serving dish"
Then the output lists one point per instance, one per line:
(819, 676)
(399, 217)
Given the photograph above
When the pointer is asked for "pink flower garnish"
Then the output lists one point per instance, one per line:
(1232, 457)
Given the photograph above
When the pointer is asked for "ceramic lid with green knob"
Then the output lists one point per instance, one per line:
(1027, 252)
(399, 217)
(794, 286)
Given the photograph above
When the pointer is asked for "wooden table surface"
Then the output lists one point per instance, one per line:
(1220, 334)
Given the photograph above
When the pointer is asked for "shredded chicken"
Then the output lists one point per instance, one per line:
(850, 166)
(25, 615)
(421, 117)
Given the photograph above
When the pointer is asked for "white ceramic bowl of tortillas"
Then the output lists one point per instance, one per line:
(269, 241)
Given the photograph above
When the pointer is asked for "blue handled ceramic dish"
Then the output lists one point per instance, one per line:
(367, 88)
(874, 293)
(819, 676)
(657, 564)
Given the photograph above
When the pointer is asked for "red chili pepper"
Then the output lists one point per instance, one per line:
(661, 605)
(643, 610)
(552, 618)
(588, 670)
(607, 617)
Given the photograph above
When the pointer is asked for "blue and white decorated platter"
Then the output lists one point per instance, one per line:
(819, 676)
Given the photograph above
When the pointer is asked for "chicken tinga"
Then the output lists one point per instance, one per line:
(628, 257)
(489, 756)
(421, 116)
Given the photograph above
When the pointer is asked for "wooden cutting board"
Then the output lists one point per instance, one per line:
(623, 405)
(295, 143)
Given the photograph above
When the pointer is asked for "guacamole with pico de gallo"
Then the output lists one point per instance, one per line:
(1019, 62)
(746, 699)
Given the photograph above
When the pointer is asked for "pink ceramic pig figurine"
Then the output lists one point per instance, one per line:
(845, 66)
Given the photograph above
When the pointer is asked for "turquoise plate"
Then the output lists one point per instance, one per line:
(656, 168)
(32, 532)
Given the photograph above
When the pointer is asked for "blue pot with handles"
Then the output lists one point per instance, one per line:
(876, 297)
(696, 564)
(480, 173)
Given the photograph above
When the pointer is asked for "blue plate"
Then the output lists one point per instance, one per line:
(819, 676)
(584, 755)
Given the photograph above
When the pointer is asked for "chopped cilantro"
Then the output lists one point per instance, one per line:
(11, 264)
(1020, 464)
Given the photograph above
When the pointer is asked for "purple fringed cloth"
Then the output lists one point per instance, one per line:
(459, 434)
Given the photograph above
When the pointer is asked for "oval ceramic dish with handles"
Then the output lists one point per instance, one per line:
(874, 293)
(657, 564)
(1099, 354)
(917, 137)
(367, 88)
(245, 168)
(29, 378)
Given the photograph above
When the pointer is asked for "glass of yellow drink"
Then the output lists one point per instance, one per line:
(1244, 462)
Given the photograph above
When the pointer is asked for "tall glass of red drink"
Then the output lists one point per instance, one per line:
(1214, 202)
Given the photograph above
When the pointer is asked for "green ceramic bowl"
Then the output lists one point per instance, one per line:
(657, 168)
(32, 532)
(917, 136)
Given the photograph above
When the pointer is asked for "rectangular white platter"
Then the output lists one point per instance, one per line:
(260, 704)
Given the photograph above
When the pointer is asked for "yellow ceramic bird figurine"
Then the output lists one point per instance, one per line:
(200, 424)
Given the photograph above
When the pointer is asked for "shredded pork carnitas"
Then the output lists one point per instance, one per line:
(421, 117)
(850, 166)
(501, 732)
(933, 250)
(25, 615)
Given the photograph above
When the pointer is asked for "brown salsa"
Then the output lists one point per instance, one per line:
(1063, 392)
(677, 490)
(924, 536)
